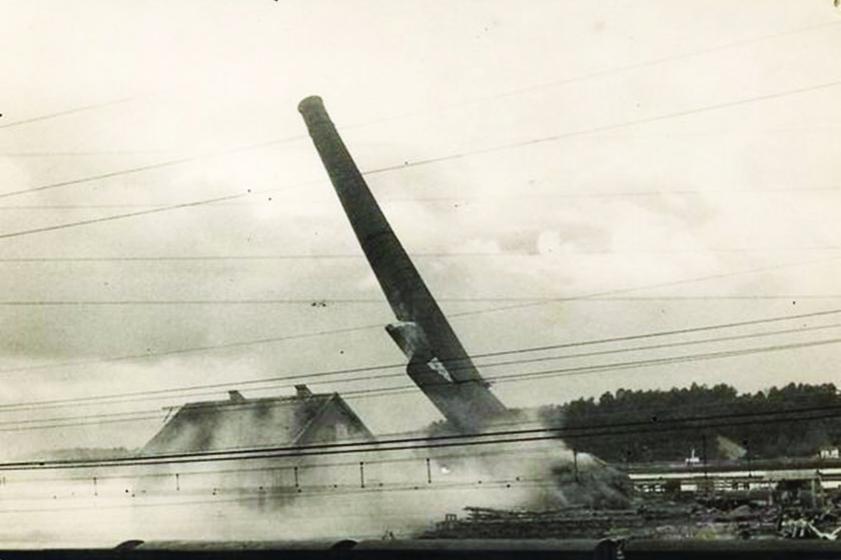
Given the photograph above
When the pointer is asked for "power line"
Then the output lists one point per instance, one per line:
(118, 216)
(602, 416)
(399, 444)
(799, 330)
(614, 366)
(666, 361)
(366, 327)
(430, 442)
(666, 284)
(459, 155)
(604, 128)
(605, 72)
(585, 370)
(317, 301)
(65, 112)
(309, 491)
(582, 370)
(137, 395)
(272, 468)
(624, 338)
(608, 194)
(64, 402)
(99, 206)
(152, 166)
(179, 161)
(688, 330)
(211, 408)
(465, 199)
(426, 255)
(97, 153)
(121, 420)
(509, 93)
(194, 349)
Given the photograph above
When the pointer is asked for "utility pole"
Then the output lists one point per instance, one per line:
(706, 470)
(748, 457)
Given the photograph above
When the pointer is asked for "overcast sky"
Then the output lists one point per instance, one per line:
(688, 165)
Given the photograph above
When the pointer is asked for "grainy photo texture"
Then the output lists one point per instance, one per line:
(367, 278)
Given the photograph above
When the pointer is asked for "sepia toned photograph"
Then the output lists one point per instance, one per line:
(420, 279)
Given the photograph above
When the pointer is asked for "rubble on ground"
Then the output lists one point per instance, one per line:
(651, 518)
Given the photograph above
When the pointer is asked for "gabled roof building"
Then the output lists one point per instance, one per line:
(302, 419)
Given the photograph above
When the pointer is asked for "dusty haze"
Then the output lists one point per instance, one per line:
(707, 215)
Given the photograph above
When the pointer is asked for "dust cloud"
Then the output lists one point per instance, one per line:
(331, 497)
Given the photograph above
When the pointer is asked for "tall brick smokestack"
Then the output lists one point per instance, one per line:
(438, 363)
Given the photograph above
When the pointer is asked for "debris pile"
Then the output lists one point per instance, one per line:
(650, 519)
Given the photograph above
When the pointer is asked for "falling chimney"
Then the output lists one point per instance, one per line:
(438, 363)
(302, 391)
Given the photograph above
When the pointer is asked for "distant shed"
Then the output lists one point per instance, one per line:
(301, 419)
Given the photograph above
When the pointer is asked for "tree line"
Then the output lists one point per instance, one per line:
(761, 440)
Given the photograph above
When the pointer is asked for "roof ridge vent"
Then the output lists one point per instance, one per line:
(302, 391)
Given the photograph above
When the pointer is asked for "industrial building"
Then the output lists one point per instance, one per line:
(238, 422)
